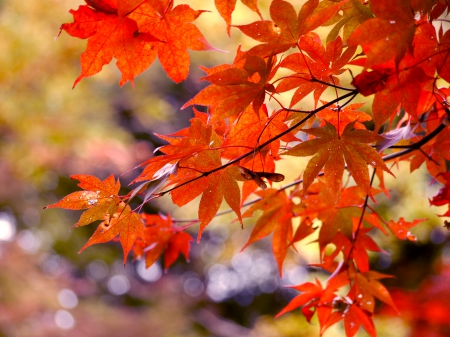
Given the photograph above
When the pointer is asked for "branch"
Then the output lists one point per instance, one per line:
(411, 148)
(260, 147)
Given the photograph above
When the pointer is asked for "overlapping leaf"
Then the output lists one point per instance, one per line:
(135, 32)
(277, 218)
(195, 151)
(322, 65)
(235, 88)
(123, 223)
(226, 9)
(161, 237)
(348, 18)
(284, 31)
(401, 228)
(387, 36)
(341, 117)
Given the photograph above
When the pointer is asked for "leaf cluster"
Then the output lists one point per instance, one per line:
(400, 50)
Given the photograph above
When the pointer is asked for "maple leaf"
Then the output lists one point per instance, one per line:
(234, 88)
(367, 287)
(353, 318)
(277, 218)
(254, 128)
(331, 150)
(441, 58)
(387, 36)
(195, 151)
(134, 33)
(160, 236)
(406, 84)
(100, 197)
(312, 72)
(348, 18)
(356, 250)
(174, 27)
(226, 9)
(123, 222)
(284, 31)
(110, 35)
(313, 296)
(401, 228)
(443, 196)
(341, 117)
(185, 146)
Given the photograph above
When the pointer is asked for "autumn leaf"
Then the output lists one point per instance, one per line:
(354, 317)
(235, 88)
(277, 218)
(135, 33)
(312, 294)
(161, 237)
(125, 223)
(312, 73)
(254, 128)
(341, 117)
(287, 27)
(196, 150)
(100, 197)
(172, 26)
(226, 9)
(332, 151)
(443, 196)
(367, 287)
(110, 35)
(401, 228)
(387, 36)
(315, 297)
(348, 18)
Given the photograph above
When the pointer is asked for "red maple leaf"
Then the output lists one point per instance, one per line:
(389, 35)
(161, 237)
(341, 117)
(443, 196)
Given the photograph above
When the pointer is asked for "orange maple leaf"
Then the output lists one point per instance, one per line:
(350, 16)
(341, 117)
(235, 88)
(323, 65)
(284, 31)
(100, 197)
(331, 150)
(123, 222)
(401, 228)
(174, 27)
(135, 33)
(277, 218)
(226, 9)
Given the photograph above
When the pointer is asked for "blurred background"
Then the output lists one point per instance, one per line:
(49, 131)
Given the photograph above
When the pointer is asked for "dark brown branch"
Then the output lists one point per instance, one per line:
(412, 147)
(260, 147)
